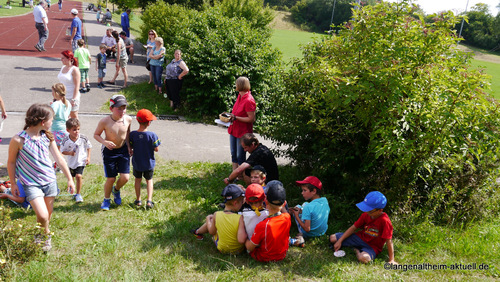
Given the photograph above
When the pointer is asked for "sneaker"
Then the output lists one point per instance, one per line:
(105, 204)
(298, 242)
(196, 235)
(87, 86)
(102, 84)
(118, 198)
(38, 48)
(83, 90)
(47, 245)
(38, 239)
(99, 86)
(78, 198)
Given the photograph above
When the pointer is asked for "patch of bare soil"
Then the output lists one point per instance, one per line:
(481, 55)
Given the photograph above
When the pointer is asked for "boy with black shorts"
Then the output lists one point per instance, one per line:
(115, 150)
(144, 144)
(77, 147)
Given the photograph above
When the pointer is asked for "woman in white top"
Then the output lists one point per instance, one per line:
(70, 77)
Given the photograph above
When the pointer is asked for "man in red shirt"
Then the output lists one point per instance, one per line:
(375, 230)
(269, 241)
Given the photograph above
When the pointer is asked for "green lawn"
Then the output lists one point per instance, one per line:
(289, 41)
(16, 9)
(492, 69)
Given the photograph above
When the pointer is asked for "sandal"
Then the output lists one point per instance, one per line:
(138, 203)
(150, 205)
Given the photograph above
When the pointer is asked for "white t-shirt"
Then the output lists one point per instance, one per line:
(79, 147)
(251, 220)
(39, 13)
(108, 40)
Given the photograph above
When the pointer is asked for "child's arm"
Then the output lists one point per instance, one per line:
(250, 245)
(242, 233)
(127, 138)
(390, 250)
(306, 225)
(346, 234)
(62, 164)
(12, 197)
(211, 224)
(16, 144)
(88, 157)
(97, 136)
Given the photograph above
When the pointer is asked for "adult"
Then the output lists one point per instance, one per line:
(175, 71)
(76, 29)
(242, 117)
(129, 46)
(121, 61)
(41, 24)
(156, 57)
(149, 46)
(259, 155)
(110, 43)
(60, 4)
(107, 17)
(70, 77)
(125, 21)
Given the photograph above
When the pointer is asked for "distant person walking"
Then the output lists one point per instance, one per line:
(41, 24)
(125, 21)
(76, 30)
(70, 77)
(60, 5)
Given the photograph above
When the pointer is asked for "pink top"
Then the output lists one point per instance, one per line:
(244, 104)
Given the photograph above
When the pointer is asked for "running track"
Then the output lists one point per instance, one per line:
(18, 34)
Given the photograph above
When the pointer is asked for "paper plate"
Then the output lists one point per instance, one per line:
(218, 121)
(1, 125)
(339, 253)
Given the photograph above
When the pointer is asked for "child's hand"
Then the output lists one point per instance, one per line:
(87, 162)
(14, 189)
(110, 145)
(71, 186)
(337, 246)
(393, 262)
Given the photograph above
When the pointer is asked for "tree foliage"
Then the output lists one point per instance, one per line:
(389, 104)
(481, 28)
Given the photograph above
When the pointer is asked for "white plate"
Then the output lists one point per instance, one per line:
(339, 253)
(218, 121)
(1, 125)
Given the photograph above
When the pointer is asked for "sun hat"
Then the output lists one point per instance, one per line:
(313, 180)
(145, 115)
(374, 200)
(254, 190)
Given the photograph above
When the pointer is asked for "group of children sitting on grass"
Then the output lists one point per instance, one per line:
(258, 219)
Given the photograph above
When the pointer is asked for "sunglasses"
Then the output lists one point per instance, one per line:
(151, 34)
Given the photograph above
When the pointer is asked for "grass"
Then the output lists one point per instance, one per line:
(16, 9)
(289, 42)
(129, 243)
(492, 69)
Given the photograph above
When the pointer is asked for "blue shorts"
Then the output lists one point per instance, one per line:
(356, 242)
(33, 192)
(115, 161)
(101, 73)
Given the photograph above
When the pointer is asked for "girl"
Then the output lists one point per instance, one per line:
(149, 46)
(62, 109)
(29, 162)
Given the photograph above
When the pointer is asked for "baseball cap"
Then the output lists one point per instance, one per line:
(276, 193)
(74, 11)
(257, 167)
(374, 200)
(145, 115)
(231, 192)
(313, 180)
(254, 190)
(117, 101)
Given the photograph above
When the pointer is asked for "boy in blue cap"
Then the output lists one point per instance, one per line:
(376, 230)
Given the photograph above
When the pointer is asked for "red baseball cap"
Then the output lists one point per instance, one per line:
(145, 115)
(313, 180)
(254, 190)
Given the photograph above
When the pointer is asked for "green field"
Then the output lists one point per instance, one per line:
(289, 42)
(492, 69)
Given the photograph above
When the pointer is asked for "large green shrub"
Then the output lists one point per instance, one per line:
(218, 49)
(391, 105)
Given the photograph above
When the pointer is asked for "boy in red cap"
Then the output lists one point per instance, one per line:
(376, 230)
(312, 217)
(254, 211)
(144, 144)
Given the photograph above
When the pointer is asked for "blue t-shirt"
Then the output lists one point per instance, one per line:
(143, 144)
(78, 24)
(317, 212)
(101, 61)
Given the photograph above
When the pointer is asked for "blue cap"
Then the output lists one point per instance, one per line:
(231, 192)
(374, 200)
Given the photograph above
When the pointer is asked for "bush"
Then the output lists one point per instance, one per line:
(218, 49)
(389, 104)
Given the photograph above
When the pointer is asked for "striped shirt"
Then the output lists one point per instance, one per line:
(33, 164)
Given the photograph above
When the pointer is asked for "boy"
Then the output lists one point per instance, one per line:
(227, 227)
(144, 145)
(254, 211)
(376, 230)
(115, 150)
(77, 147)
(269, 241)
(6, 193)
(100, 67)
(257, 175)
(84, 61)
(311, 218)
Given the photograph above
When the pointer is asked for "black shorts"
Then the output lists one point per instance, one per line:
(115, 161)
(140, 174)
(78, 170)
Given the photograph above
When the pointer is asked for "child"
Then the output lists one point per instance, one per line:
(269, 241)
(6, 193)
(29, 162)
(115, 149)
(226, 227)
(100, 67)
(77, 147)
(376, 230)
(144, 145)
(257, 175)
(84, 61)
(62, 109)
(311, 218)
(255, 212)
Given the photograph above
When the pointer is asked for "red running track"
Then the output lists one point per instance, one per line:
(18, 34)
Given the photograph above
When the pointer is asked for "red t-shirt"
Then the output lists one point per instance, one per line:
(271, 235)
(243, 105)
(374, 231)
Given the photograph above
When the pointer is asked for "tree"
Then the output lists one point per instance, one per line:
(389, 104)
(479, 29)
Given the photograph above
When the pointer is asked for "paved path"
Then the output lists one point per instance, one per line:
(26, 79)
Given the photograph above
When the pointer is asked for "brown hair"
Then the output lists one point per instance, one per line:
(60, 89)
(72, 122)
(36, 114)
(80, 42)
(249, 139)
(242, 84)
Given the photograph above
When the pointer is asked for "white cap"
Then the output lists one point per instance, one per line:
(74, 11)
